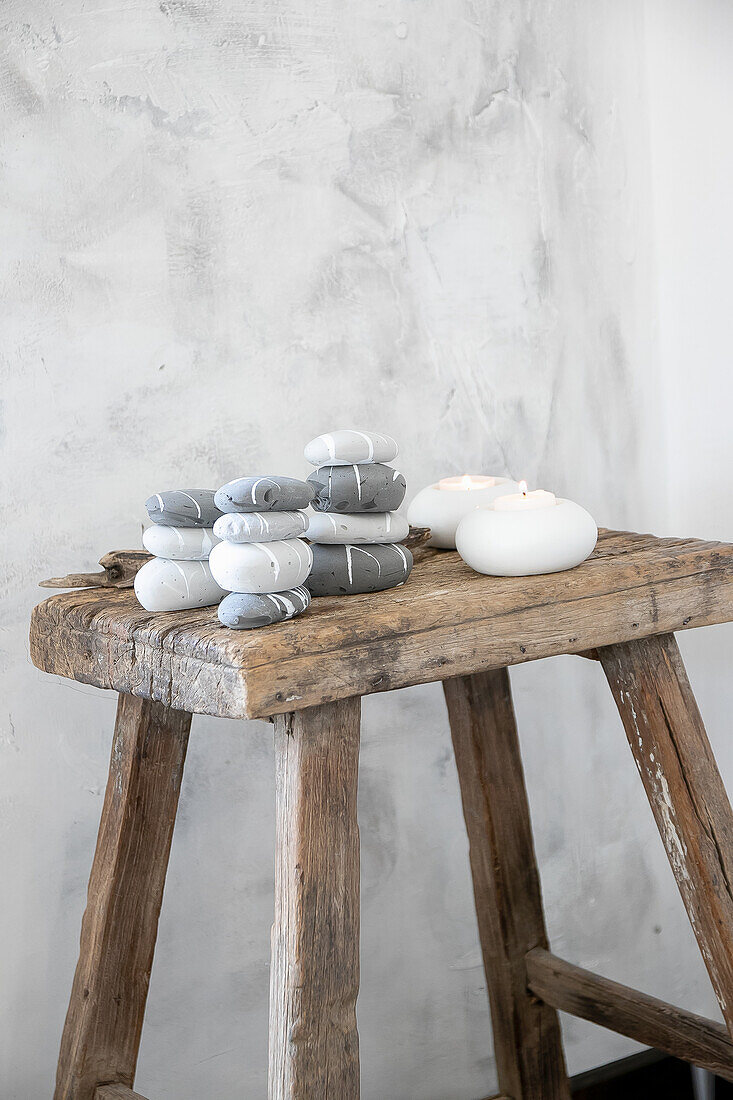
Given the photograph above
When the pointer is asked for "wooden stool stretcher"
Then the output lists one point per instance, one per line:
(449, 624)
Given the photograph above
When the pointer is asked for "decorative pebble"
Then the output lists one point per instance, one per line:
(183, 508)
(346, 446)
(263, 494)
(334, 527)
(260, 526)
(365, 487)
(247, 610)
(343, 570)
(261, 566)
(179, 543)
(165, 585)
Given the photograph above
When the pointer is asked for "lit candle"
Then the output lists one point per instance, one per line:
(524, 501)
(443, 505)
(521, 534)
(466, 483)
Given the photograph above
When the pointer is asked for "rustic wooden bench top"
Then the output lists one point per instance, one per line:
(446, 621)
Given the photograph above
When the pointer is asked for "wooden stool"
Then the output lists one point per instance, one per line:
(308, 675)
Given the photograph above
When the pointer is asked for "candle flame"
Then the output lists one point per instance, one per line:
(466, 481)
(523, 488)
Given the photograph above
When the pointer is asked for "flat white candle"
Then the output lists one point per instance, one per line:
(525, 533)
(443, 505)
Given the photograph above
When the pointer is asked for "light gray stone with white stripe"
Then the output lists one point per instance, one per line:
(359, 527)
(166, 585)
(261, 566)
(346, 446)
(179, 543)
(260, 526)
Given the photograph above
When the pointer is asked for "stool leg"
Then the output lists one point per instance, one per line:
(105, 1016)
(314, 1044)
(685, 791)
(527, 1040)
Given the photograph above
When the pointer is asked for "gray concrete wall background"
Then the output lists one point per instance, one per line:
(228, 227)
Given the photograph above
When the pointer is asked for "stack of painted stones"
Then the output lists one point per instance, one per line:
(181, 539)
(261, 561)
(356, 531)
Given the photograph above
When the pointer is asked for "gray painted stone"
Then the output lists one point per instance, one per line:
(248, 610)
(260, 526)
(365, 487)
(263, 494)
(183, 508)
(345, 570)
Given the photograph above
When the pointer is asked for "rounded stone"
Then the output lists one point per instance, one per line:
(166, 585)
(263, 494)
(260, 526)
(335, 527)
(345, 570)
(248, 610)
(346, 446)
(362, 487)
(261, 566)
(183, 508)
(179, 543)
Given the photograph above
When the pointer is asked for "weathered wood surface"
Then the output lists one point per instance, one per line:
(686, 793)
(117, 1092)
(650, 1021)
(527, 1040)
(105, 1015)
(445, 621)
(314, 979)
(119, 567)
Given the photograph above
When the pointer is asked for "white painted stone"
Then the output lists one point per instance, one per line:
(346, 446)
(180, 543)
(260, 526)
(166, 585)
(335, 527)
(261, 566)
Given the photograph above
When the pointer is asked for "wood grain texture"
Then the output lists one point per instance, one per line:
(685, 791)
(105, 1016)
(445, 621)
(650, 1021)
(120, 567)
(314, 1044)
(117, 1092)
(527, 1040)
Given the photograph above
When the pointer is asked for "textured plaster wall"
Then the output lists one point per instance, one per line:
(227, 227)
